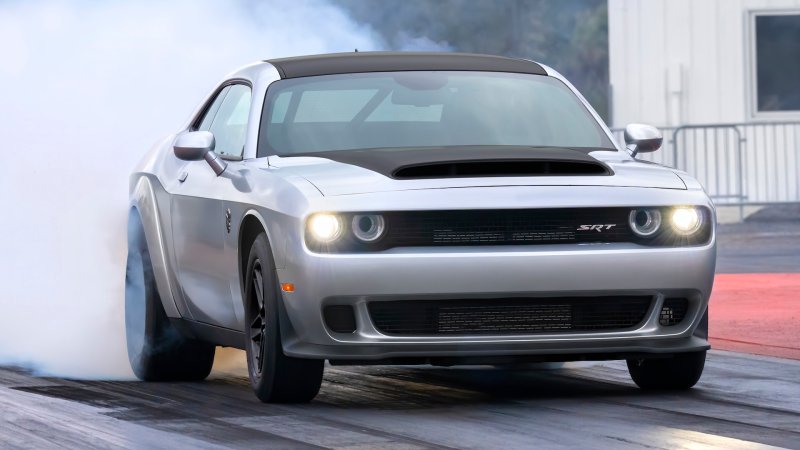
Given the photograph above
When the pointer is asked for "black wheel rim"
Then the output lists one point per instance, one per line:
(258, 324)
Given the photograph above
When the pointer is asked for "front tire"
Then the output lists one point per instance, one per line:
(275, 377)
(156, 350)
(680, 372)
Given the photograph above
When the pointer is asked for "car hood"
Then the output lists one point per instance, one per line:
(337, 174)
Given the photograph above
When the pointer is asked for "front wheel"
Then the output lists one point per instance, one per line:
(275, 377)
(680, 372)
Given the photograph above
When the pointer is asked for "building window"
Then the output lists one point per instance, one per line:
(777, 62)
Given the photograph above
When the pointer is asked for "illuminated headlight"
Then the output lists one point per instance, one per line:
(368, 227)
(645, 221)
(325, 228)
(686, 221)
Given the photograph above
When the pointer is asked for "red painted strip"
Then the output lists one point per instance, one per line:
(756, 313)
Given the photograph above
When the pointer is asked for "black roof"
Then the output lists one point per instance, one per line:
(356, 62)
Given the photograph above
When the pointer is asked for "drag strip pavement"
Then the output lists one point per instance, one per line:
(741, 402)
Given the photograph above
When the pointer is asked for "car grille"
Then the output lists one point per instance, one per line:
(508, 315)
(673, 311)
(508, 227)
(521, 227)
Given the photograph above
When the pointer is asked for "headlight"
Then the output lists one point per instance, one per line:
(645, 221)
(368, 227)
(686, 221)
(325, 228)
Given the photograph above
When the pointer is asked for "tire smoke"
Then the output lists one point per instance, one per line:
(85, 89)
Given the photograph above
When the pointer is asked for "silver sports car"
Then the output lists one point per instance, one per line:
(412, 208)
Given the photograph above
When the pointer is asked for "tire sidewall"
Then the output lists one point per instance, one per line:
(141, 305)
(680, 372)
(262, 383)
(157, 350)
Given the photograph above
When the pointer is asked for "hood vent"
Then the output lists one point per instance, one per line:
(502, 168)
(413, 163)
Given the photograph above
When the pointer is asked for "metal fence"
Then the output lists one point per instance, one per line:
(739, 164)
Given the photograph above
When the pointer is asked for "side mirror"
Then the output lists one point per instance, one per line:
(640, 138)
(197, 145)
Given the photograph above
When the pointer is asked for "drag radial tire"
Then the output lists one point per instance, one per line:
(682, 371)
(157, 351)
(275, 377)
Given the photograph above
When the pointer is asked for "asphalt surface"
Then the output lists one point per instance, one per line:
(760, 246)
(756, 249)
(756, 313)
(755, 305)
(742, 401)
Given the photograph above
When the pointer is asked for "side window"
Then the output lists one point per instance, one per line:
(205, 124)
(229, 125)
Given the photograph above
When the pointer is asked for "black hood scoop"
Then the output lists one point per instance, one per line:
(500, 168)
(470, 162)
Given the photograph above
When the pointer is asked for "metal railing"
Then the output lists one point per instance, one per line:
(739, 164)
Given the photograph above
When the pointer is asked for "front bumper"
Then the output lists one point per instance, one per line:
(486, 273)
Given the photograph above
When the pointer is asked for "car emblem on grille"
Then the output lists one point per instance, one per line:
(599, 228)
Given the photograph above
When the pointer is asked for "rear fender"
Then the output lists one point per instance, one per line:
(143, 202)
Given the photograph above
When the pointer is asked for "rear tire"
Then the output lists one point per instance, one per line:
(275, 377)
(680, 372)
(156, 349)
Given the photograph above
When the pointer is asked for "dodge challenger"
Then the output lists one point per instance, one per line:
(412, 208)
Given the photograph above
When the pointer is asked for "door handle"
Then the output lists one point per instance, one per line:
(184, 176)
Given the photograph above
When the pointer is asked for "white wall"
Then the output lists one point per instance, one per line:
(687, 62)
(676, 62)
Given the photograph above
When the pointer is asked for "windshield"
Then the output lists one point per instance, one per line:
(424, 109)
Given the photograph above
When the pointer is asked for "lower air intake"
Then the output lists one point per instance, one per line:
(503, 316)
(340, 318)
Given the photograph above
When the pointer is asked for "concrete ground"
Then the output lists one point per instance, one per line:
(743, 400)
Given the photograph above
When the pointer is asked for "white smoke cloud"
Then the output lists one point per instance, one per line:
(407, 42)
(85, 89)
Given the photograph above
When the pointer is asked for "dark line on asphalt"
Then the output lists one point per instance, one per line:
(712, 418)
(754, 343)
(378, 432)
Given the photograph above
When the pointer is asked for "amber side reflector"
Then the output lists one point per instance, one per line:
(287, 287)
